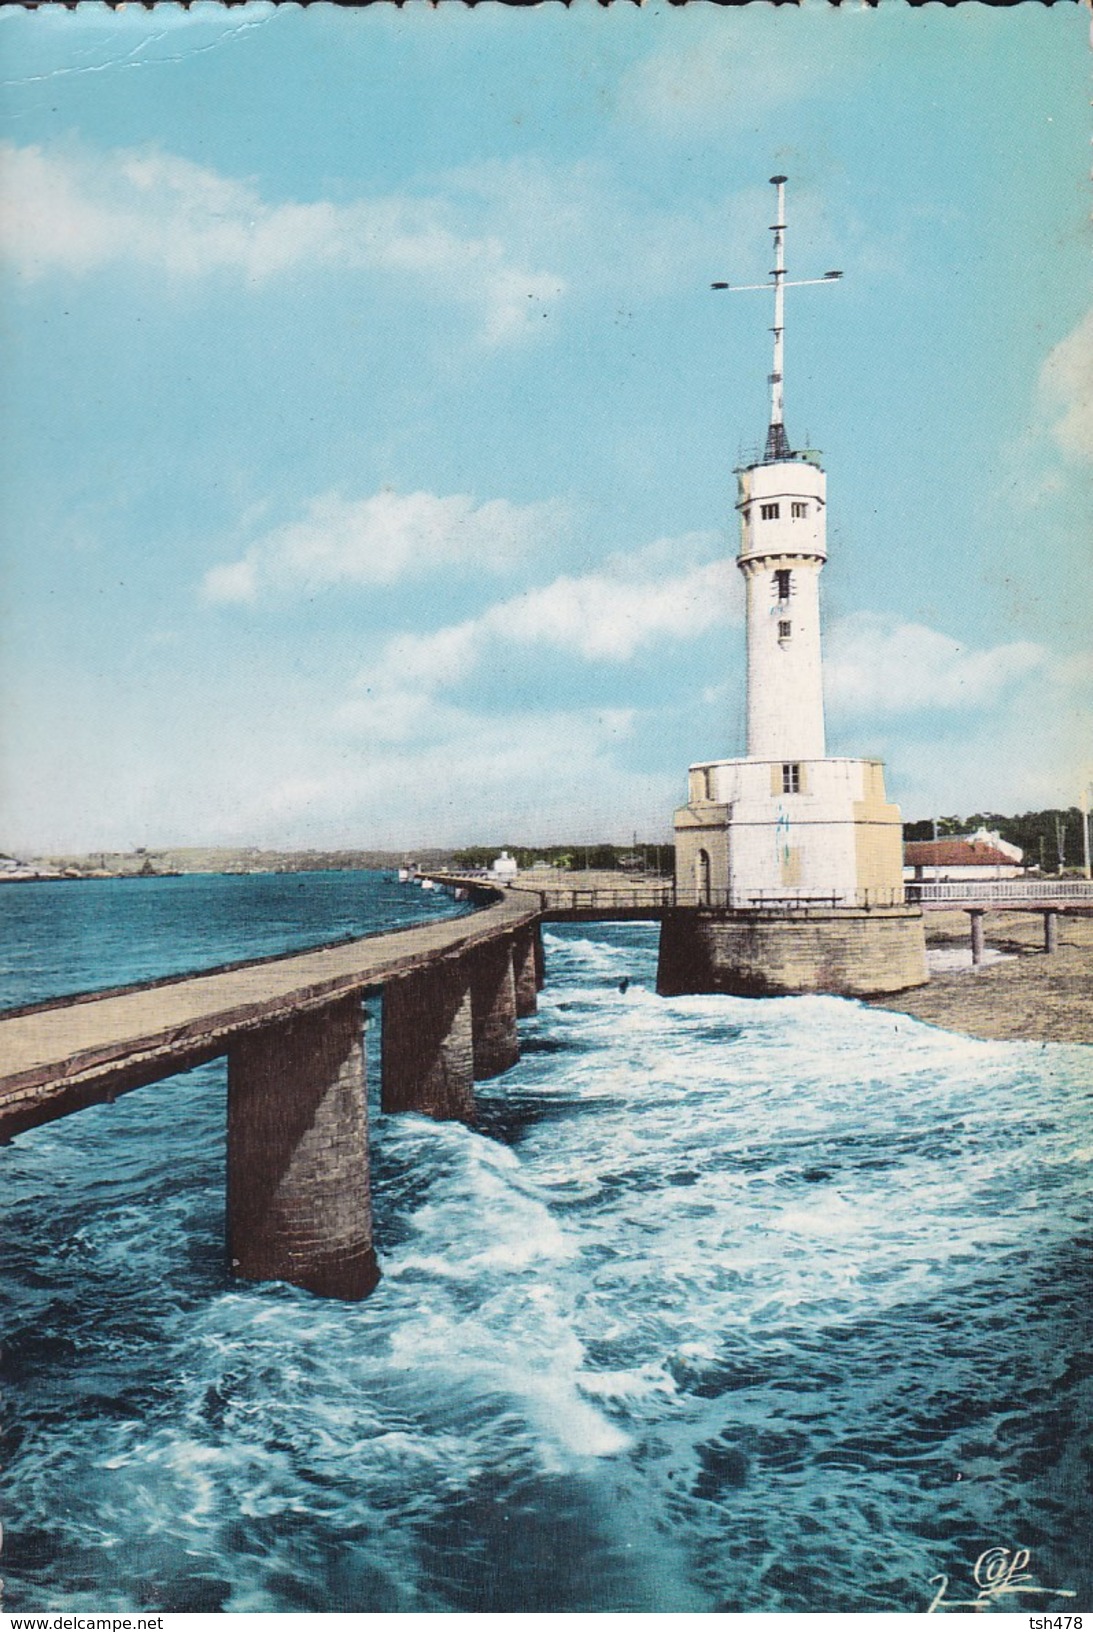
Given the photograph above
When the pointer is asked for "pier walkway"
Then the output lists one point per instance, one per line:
(292, 1027)
(293, 1031)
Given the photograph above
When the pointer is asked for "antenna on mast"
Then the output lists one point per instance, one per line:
(778, 445)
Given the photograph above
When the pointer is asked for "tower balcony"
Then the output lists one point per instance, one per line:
(783, 510)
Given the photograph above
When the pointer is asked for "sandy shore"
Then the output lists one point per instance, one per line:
(1026, 996)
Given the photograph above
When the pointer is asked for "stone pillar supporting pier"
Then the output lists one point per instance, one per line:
(976, 915)
(493, 1009)
(428, 1056)
(525, 972)
(540, 958)
(1051, 930)
(299, 1207)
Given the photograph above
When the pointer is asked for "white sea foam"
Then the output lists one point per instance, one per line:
(710, 1310)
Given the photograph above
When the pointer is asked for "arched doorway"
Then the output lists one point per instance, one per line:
(702, 878)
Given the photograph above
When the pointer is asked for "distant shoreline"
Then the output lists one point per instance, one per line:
(222, 861)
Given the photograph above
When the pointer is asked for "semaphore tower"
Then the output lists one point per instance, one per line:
(788, 862)
(783, 545)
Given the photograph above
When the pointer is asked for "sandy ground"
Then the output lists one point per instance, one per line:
(1027, 995)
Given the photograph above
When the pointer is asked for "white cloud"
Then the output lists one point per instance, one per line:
(543, 775)
(877, 664)
(79, 212)
(506, 239)
(1066, 390)
(605, 234)
(383, 539)
(1001, 728)
(282, 762)
(1033, 752)
(708, 77)
(605, 616)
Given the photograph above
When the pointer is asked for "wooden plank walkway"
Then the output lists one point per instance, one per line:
(60, 1056)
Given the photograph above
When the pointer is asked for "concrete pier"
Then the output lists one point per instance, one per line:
(292, 1027)
(299, 1206)
(59, 1056)
(493, 1010)
(428, 1053)
(1051, 931)
(976, 915)
(525, 970)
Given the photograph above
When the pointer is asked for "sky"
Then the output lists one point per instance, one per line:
(369, 425)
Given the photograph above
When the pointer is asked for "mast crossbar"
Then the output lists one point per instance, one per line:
(778, 446)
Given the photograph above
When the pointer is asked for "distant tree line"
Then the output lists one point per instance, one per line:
(650, 858)
(1050, 839)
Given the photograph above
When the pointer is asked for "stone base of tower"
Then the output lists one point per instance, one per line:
(845, 951)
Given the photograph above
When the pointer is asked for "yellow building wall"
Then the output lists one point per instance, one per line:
(703, 829)
(878, 839)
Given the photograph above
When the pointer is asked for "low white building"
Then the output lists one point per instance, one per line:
(505, 868)
(13, 871)
(980, 855)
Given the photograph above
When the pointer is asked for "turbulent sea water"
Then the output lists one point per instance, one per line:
(723, 1304)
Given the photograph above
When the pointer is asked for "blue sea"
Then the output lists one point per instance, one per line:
(723, 1304)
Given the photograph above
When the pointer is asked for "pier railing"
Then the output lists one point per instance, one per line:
(997, 892)
(787, 900)
(650, 897)
(658, 897)
(654, 896)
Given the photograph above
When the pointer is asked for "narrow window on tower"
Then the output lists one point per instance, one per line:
(791, 779)
(783, 583)
(798, 512)
(768, 512)
(785, 629)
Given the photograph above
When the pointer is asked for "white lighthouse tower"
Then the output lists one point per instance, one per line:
(797, 856)
(783, 545)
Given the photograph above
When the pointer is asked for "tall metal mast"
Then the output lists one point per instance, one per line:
(778, 445)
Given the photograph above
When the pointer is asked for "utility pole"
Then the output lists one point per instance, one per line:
(1060, 840)
(1085, 831)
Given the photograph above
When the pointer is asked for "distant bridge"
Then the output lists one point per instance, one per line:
(977, 897)
(650, 898)
(579, 900)
(1000, 894)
